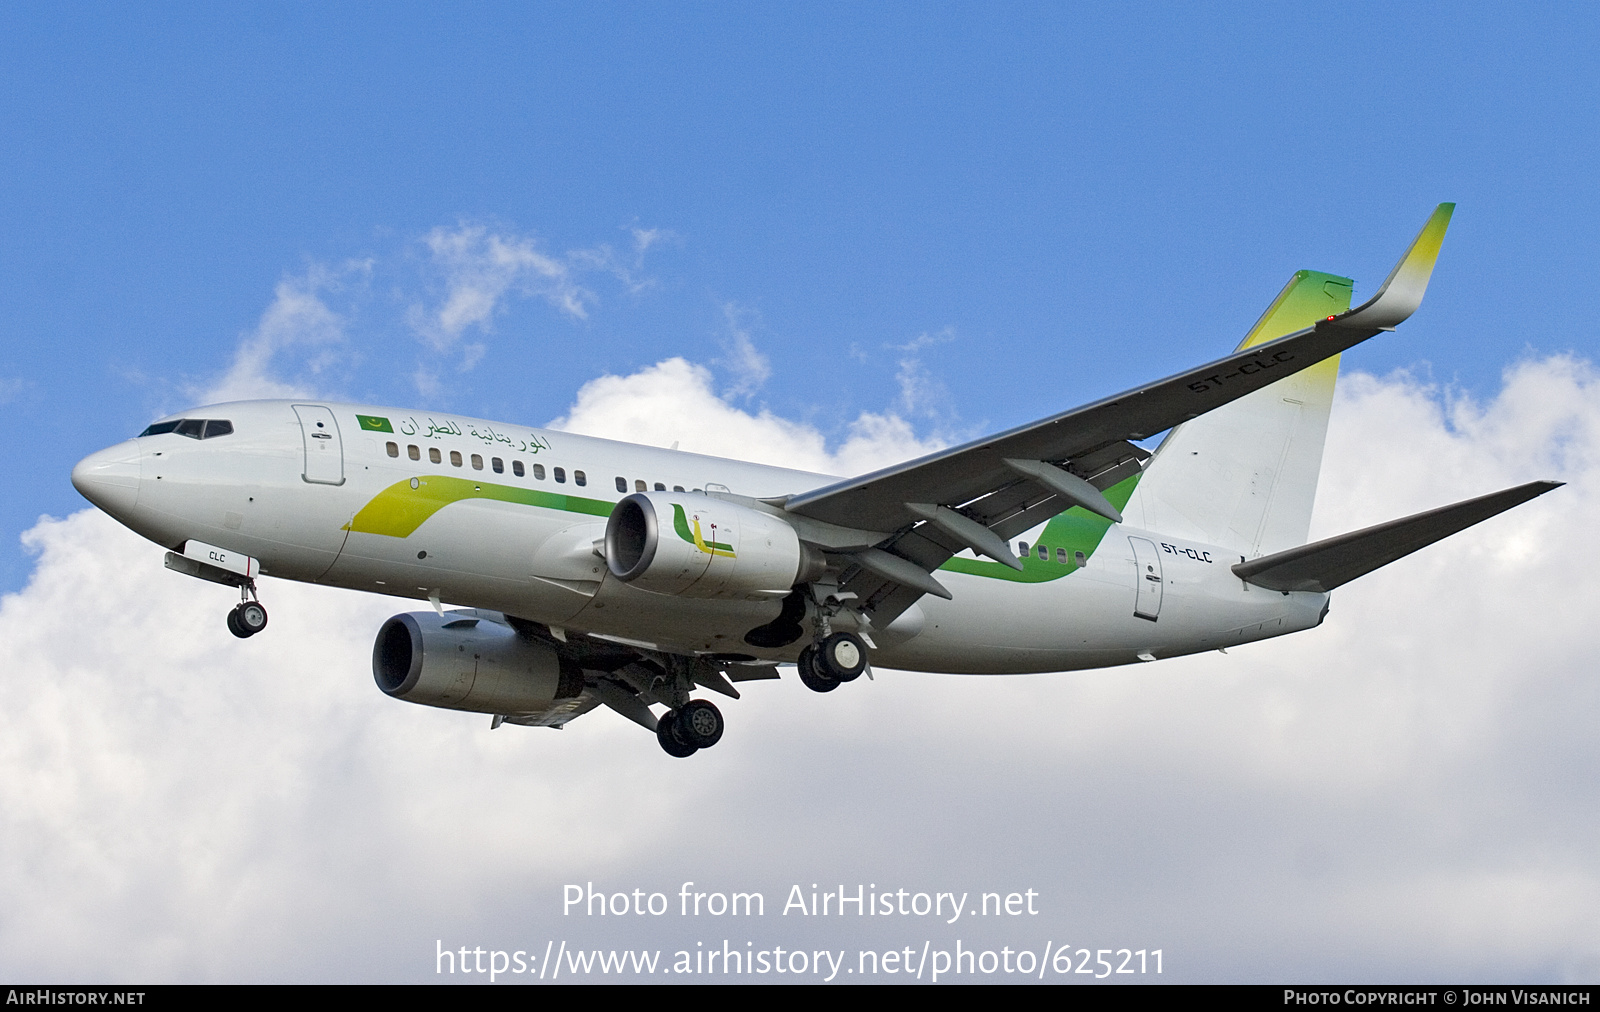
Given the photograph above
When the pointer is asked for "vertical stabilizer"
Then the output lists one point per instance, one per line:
(1245, 475)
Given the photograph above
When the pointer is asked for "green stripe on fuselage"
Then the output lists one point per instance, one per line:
(1076, 530)
(399, 510)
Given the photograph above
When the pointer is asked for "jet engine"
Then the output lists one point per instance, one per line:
(462, 662)
(692, 545)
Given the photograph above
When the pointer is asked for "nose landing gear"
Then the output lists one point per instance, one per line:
(248, 617)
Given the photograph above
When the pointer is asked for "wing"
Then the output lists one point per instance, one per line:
(980, 495)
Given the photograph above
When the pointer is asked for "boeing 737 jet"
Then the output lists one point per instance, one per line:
(585, 572)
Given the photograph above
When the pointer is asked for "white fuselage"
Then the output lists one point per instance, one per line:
(285, 485)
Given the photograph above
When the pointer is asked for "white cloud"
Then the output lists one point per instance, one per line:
(311, 325)
(178, 804)
(1403, 794)
(644, 238)
(630, 272)
(673, 401)
(748, 367)
(1541, 425)
(922, 394)
(927, 340)
(480, 269)
(297, 320)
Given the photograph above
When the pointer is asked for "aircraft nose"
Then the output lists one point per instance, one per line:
(110, 478)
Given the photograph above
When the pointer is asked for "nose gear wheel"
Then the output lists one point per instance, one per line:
(248, 617)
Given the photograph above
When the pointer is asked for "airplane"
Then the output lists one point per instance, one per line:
(586, 572)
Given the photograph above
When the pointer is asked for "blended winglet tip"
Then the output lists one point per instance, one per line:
(1401, 292)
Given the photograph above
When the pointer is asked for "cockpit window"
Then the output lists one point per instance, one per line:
(194, 428)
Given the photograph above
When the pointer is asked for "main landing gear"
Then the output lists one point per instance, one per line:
(835, 659)
(248, 617)
(694, 726)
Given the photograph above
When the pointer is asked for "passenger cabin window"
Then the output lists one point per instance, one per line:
(538, 471)
(477, 462)
(622, 483)
(413, 452)
(1044, 553)
(516, 468)
(660, 487)
(561, 474)
(1022, 549)
(393, 448)
(433, 455)
(639, 485)
(1061, 556)
(455, 458)
(498, 465)
(677, 488)
(1081, 559)
(580, 478)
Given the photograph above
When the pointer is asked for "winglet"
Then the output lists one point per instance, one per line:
(1402, 291)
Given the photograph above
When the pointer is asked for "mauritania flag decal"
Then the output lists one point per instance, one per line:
(372, 423)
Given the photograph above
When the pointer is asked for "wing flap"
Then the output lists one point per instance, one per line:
(623, 702)
(1324, 565)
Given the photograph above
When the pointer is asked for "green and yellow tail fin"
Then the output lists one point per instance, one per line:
(1245, 475)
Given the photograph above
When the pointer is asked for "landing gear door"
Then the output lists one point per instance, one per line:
(1147, 562)
(324, 448)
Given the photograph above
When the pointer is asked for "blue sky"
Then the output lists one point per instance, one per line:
(1063, 200)
(882, 226)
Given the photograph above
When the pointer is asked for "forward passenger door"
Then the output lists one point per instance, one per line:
(324, 448)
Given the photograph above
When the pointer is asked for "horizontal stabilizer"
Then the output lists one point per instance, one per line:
(1324, 565)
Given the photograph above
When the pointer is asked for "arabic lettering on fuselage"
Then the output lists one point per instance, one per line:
(436, 430)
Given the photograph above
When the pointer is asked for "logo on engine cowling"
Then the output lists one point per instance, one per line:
(680, 523)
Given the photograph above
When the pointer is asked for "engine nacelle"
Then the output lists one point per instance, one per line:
(461, 662)
(690, 545)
